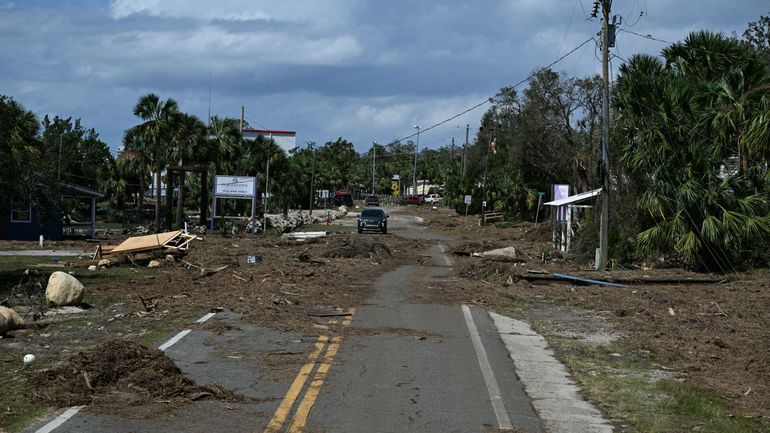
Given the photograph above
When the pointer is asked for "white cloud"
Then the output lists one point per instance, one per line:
(326, 68)
(320, 13)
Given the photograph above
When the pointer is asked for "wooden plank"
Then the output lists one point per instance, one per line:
(144, 243)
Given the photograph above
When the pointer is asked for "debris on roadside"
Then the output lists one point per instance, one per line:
(357, 247)
(141, 248)
(302, 236)
(506, 254)
(141, 372)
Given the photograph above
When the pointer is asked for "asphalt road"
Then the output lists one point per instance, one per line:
(414, 368)
(404, 367)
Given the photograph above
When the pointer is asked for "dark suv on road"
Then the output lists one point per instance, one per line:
(373, 218)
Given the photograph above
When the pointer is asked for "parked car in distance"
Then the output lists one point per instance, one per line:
(372, 200)
(373, 218)
(342, 198)
(415, 199)
(434, 199)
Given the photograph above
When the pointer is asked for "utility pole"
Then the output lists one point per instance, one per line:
(374, 158)
(209, 118)
(414, 171)
(465, 146)
(267, 193)
(484, 186)
(243, 114)
(58, 171)
(604, 172)
(312, 181)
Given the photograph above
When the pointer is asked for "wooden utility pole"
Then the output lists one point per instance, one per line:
(605, 166)
(312, 182)
(243, 115)
(465, 146)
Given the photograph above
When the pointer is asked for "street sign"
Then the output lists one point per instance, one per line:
(468, 199)
(394, 188)
(235, 186)
(323, 193)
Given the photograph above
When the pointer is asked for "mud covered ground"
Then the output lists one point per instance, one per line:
(712, 335)
(87, 354)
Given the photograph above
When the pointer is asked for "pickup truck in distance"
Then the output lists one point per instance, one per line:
(415, 199)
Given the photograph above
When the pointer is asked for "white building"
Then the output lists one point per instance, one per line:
(286, 140)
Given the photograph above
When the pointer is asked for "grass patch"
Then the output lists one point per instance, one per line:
(114, 274)
(18, 408)
(154, 337)
(20, 263)
(648, 400)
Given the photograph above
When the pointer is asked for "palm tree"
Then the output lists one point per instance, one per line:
(729, 83)
(189, 134)
(676, 121)
(158, 117)
(224, 137)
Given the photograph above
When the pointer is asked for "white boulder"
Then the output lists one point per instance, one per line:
(9, 320)
(153, 264)
(64, 289)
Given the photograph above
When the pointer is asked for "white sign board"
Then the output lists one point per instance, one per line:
(468, 199)
(235, 186)
(323, 193)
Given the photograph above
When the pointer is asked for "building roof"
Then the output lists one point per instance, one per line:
(574, 199)
(270, 131)
(72, 190)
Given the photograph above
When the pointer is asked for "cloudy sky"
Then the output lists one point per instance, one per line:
(357, 69)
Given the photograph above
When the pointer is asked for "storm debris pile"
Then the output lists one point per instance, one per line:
(351, 247)
(119, 365)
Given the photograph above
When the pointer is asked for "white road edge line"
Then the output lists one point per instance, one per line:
(206, 317)
(175, 339)
(59, 420)
(503, 421)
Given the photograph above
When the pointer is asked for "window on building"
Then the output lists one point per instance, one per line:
(21, 211)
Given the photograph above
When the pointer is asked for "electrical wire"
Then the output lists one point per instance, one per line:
(648, 36)
(255, 122)
(488, 100)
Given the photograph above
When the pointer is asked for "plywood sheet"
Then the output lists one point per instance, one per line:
(144, 243)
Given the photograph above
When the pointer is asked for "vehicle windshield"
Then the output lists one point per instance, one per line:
(372, 213)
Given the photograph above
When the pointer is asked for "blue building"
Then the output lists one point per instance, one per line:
(23, 223)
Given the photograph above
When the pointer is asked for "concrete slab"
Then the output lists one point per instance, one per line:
(46, 253)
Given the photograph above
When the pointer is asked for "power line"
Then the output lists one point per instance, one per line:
(532, 75)
(256, 123)
(647, 36)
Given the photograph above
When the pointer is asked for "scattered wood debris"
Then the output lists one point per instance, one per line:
(139, 248)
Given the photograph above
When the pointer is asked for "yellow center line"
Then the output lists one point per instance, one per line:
(291, 395)
(303, 411)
